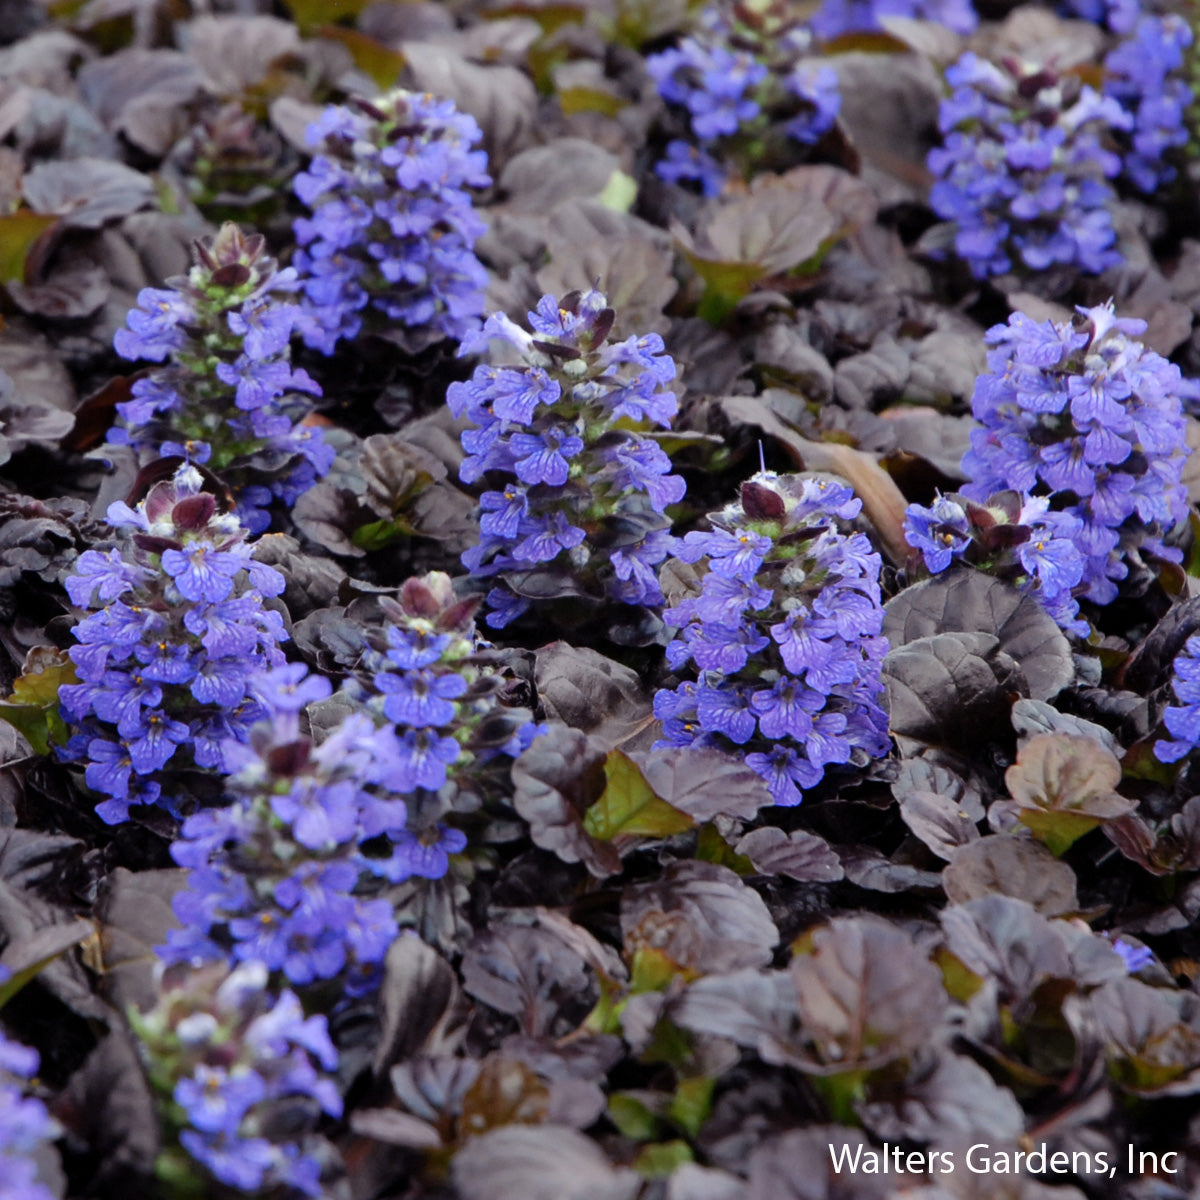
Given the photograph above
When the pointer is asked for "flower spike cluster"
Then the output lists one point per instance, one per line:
(392, 233)
(429, 674)
(25, 1125)
(244, 1077)
(1024, 168)
(227, 395)
(784, 637)
(1145, 75)
(1013, 536)
(578, 492)
(1182, 719)
(1084, 413)
(275, 876)
(177, 627)
(838, 17)
(748, 87)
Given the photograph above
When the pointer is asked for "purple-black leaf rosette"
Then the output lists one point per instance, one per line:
(563, 426)
(176, 625)
(1084, 414)
(784, 639)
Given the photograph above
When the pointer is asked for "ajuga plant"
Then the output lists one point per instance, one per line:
(1081, 412)
(226, 395)
(280, 875)
(1145, 74)
(1023, 170)
(430, 674)
(748, 90)
(838, 17)
(784, 637)
(25, 1126)
(1013, 536)
(390, 243)
(562, 434)
(176, 625)
(243, 1077)
(235, 167)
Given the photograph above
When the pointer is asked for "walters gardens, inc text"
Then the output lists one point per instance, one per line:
(983, 1159)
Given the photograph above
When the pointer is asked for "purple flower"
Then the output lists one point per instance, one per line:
(156, 676)
(544, 457)
(424, 756)
(420, 698)
(1022, 173)
(939, 532)
(291, 688)
(544, 541)
(201, 572)
(154, 327)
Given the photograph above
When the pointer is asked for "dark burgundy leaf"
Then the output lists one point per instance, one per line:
(108, 1104)
(418, 1003)
(555, 782)
(950, 689)
(865, 995)
(135, 915)
(798, 855)
(525, 972)
(544, 1162)
(701, 916)
(704, 783)
(968, 601)
(87, 193)
(584, 689)
(1011, 866)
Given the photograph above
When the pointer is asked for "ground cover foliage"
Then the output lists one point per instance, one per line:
(596, 598)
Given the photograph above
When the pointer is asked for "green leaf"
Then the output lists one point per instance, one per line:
(652, 970)
(32, 709)
(725, 283)
(632, 1117)
(19, 234)
(574, 100)
(376, 535)
(619, 192)
(628, 807)
(380, 62)
(27, 958)
(712, 847)
(662, 1159)
(842, 1094)
(310, 15)
(692, 1104)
